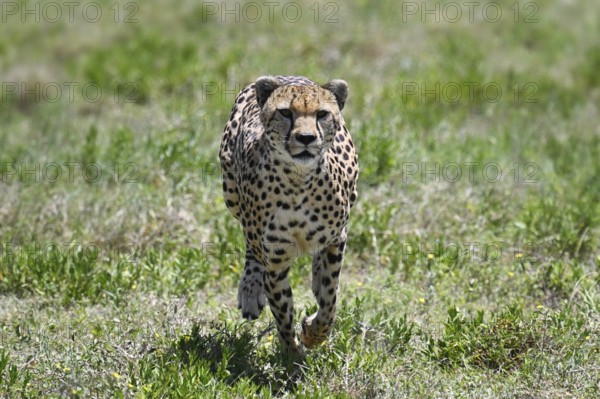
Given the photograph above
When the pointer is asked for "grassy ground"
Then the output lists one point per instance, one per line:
(473, 263)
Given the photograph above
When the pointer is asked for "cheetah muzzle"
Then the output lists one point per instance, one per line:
(289, 176)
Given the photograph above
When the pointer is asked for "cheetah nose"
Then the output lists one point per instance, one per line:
(306, 138)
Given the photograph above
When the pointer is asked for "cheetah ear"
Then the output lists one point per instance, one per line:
(264, 86)
(339, 88)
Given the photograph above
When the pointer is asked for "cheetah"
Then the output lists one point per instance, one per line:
(289, 176)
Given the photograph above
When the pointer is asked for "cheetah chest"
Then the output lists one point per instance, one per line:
(304, 225)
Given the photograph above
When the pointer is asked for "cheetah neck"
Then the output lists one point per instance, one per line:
(298, 174)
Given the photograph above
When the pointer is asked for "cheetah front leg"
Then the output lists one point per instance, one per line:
(251, 292)
(326, 271)
(279, 294)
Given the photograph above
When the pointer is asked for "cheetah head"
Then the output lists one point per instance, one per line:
(300, 121)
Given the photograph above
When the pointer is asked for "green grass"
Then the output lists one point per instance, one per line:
(473, 262)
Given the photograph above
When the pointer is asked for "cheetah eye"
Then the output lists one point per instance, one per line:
(286, 113)
(322, 114)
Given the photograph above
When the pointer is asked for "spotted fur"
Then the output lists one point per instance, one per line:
(289, 175)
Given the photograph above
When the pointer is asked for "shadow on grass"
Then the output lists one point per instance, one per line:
(233, 352)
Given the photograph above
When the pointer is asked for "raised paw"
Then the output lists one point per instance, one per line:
(251, 297)
(311, 335)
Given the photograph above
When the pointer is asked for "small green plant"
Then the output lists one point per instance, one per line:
(500, 344)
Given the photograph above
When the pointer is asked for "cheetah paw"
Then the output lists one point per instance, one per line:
(251, 298)
(308, 336)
